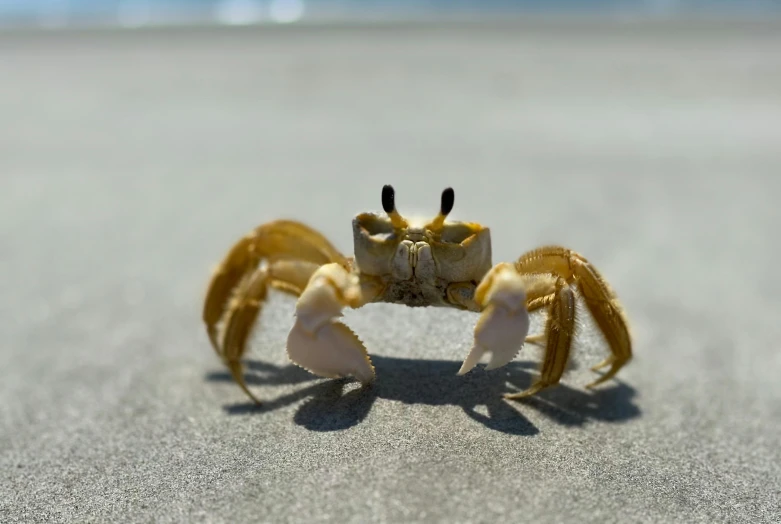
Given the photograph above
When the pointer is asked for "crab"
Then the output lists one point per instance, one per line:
(433, 262)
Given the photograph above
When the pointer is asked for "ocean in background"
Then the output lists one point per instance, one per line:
(135, 13)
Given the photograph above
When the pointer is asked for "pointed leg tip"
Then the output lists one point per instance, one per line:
(605, 363)
(253, 398)
(518, 396)
(609, 374)
(601, 380)
(528, 392)
(212, 333)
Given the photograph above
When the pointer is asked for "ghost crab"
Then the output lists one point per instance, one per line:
(438, 263)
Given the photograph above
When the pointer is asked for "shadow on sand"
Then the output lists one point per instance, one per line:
(331, 405)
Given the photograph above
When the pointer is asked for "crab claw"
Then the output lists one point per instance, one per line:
(318, 342)
(504, 323)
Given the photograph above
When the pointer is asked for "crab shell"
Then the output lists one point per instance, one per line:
(456, 252)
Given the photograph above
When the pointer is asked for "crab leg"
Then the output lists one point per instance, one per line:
(288, 275)
(604, 307)
(318, 342)
(540, 293)
(560, 329)
(281, 254)
(282, 239)
(597, 294)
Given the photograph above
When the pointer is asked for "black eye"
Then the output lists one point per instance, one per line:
(448, 199)
(388, 198)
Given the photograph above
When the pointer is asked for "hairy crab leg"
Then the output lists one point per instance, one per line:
(540, 294)
(559, 331)
(603, 305)
(318, 342)
(597, 294)
(281, 239)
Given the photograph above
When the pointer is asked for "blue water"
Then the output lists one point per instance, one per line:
(67, 12)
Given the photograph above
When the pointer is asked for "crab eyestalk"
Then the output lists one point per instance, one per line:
(389, 205)
(445, 207)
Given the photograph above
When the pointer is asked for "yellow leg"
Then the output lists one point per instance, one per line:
(535, 302)
(282, 255)
(282, 239)
(559, 330)
(243, 312)
(607, 313)
(600, 299)
(289, 276)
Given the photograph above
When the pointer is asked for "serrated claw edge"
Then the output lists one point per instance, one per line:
(332, 351)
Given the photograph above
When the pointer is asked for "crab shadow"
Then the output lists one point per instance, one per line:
(332, 405)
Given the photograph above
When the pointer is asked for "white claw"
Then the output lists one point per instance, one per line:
(503, 325)
(319, 343)
(332, 351)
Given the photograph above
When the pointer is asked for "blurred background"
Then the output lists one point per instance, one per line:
(133, 13)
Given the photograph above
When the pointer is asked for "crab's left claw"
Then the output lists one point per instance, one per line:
(504, 323)
(318, 342)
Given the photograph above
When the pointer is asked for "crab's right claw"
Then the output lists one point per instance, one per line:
(504, 323)
(318, 342)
